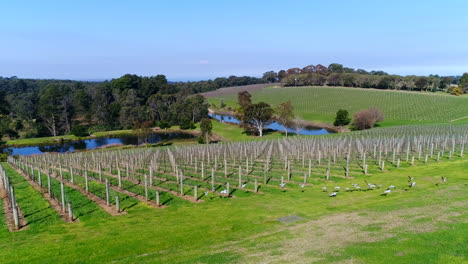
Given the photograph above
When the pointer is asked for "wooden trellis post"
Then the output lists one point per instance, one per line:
(107, 192)
(62, 192)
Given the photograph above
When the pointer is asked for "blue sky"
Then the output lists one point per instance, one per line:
(190, 40)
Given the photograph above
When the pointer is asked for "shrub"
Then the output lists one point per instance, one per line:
(187, 124)
(457, 91)
(80, 131)
(163, 124)
(342, 118)
(201, 140)
(366, 119)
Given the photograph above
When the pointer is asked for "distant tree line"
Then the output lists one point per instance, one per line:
(338, 75)
(210, 85)
(33, 108)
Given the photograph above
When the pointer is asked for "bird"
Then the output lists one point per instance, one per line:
(303, 185)
(324, 189)
(337, 188)
(347, 189)
(386, 191)
(371, 186)
(410, 178)
(444, 179)
(379, 185)
(391, 187)
(333, 194)
(223, 192)
(282, 184)
(206, 193)
(412, 184)
(243, 185)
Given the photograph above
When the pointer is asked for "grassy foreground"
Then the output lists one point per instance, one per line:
(320, 104)
(428, 224)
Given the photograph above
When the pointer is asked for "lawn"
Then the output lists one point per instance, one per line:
(428, 224)
(320, 104)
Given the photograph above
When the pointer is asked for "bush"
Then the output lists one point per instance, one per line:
(342, 118)
(99, 128)
(366, 119)
(457, 91)
(163, 124)
(80, 131)
(201, 140)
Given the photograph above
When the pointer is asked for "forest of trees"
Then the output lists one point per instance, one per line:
(338, 75)
(33, 108)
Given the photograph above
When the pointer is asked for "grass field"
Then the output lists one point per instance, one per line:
(320, 104)
(428, 224)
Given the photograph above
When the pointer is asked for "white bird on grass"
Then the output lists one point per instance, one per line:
(206, 193)
(333, 194)
(282, 184)
(410, 178)
(337, 188)
(387, 191)
(391, 187)
(243, 185)
(223, 192)
(303, 185)
(444, 179)
(324, 189)
(412, 184)
(348, 189)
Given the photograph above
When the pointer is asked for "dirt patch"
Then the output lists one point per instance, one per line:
(290, 219)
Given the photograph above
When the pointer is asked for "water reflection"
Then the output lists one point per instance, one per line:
(274, 126)
(97, 143)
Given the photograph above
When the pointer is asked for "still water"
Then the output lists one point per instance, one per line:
(96, 143)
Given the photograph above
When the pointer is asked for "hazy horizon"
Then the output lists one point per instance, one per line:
(202, 40)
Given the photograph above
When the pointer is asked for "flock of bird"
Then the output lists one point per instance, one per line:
(370, 186)
(355, 187)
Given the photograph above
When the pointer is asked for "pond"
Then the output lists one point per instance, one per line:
(275, 126)
(94, 143)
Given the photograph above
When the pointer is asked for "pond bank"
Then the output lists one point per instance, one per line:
(44, 141)
(303, 123)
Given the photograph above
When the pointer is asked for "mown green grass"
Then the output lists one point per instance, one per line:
(237, 230)
(231, 132)
(320, 104)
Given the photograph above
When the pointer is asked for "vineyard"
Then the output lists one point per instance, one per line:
(43, 191)
(322, 103)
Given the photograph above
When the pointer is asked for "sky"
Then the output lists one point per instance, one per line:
(202, 39)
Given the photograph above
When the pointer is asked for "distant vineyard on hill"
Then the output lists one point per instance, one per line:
(321, 103)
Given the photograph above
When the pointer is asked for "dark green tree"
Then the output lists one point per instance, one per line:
(342, 118)
(270, 76)
(206, 127)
